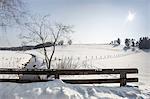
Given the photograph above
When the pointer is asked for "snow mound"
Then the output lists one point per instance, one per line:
(35, 62)
(56, 89)
(36, 53)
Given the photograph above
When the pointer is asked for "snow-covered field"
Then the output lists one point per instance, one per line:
(85, 56)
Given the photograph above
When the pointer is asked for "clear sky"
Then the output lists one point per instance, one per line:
(96, 21)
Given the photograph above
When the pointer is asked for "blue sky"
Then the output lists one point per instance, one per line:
(96, 21)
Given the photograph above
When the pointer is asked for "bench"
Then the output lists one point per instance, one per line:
(57, 72)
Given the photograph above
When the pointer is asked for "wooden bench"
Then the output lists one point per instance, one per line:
(57, 72)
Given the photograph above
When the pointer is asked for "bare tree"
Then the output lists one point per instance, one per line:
(10, 11)
(41, 31)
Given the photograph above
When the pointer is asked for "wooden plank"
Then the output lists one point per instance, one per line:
(22, 81)
(67, 72)
(97, 81)
(28, 71)
(74, 81)
(94, 71)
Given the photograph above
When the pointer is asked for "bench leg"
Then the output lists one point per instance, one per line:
(123, 80)
(56, 76)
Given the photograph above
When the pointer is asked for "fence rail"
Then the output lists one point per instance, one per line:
(57, 72)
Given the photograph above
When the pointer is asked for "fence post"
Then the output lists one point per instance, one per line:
(56, 76)
(123, 79)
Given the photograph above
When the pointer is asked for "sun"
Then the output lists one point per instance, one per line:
(131, 16)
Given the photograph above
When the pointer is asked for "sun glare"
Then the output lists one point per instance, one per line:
(131, 16)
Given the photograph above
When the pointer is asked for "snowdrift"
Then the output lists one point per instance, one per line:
(58, 90)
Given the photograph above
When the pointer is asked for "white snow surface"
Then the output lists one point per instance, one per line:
(58, 90)
(98, 56)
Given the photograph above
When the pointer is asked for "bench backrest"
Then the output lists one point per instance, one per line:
(57, 72)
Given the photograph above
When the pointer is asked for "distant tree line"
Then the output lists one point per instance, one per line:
(130, 42)
(61, 42)
(28, 47)
(116, 42)
(142, 43)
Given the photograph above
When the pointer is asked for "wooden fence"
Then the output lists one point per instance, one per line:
(57, 72)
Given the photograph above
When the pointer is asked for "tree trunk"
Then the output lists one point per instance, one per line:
(50, 60)
(46, 57)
